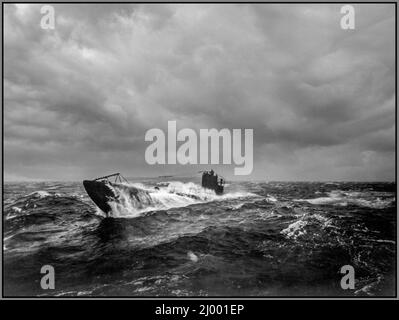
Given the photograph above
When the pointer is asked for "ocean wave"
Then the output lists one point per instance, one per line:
(237, 244)
(41, 194)
(174, 195)
(23, 204)
(373, 200)
(296, 229)
(41, 206)
(299, 227)
(271, 198)
(192, 256)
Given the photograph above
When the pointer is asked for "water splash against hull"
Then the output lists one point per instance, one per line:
(132, 200)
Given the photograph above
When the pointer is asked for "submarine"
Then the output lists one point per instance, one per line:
(102, 191)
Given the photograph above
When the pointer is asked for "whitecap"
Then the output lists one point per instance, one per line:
(175, 195)
(345, 198)
(191, 255)
(295, 229)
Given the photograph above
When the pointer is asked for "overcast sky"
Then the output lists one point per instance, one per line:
(79, 99)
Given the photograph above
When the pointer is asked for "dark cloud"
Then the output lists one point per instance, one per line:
(79, 99)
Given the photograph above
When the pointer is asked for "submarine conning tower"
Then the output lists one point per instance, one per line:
(210, 180)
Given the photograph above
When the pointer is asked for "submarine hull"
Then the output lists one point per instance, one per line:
(99, 193)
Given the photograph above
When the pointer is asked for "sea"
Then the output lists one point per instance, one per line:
(260, 239)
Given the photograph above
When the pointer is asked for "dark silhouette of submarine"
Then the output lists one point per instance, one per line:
(100, 190)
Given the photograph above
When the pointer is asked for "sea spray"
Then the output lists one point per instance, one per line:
(136, 199)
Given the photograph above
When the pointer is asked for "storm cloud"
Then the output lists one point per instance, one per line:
(79, 99)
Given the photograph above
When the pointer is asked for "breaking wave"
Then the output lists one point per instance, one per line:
(374, 200)
(136, 199)
(307, 221)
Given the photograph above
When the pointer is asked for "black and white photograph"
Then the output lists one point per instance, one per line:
(193, 150)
